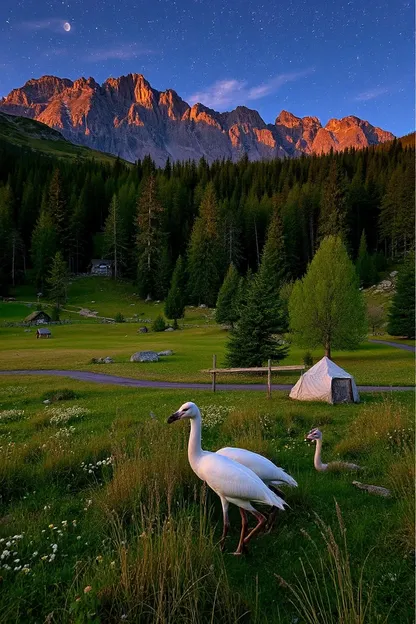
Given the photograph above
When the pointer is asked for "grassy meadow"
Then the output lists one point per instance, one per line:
(102, 519)
(74, 345)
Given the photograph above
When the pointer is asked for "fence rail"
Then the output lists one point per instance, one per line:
(214, 371)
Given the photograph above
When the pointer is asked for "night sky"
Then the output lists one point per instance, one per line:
(323, 58)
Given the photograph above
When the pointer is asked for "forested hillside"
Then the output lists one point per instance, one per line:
(143, 218)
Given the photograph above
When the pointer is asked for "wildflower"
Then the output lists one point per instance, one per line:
(78, 537)
(44, 557)
(113, 564)
(51, 526)
(16, 561)
(74, 523)
(87, 589)
(35, 553)
(51, 557)
(26, 570)
(99, 558)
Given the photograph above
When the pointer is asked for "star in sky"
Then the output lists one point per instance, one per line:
(322, 59)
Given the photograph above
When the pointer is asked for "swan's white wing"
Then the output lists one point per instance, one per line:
(234, 481)
(263, 467)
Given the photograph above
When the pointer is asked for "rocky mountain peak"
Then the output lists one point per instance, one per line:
(127, 117)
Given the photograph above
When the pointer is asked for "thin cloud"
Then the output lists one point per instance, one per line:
(54, 24)
(219, 95)
(225, 93)
(371, 94)
(262, 90)
(122, 53)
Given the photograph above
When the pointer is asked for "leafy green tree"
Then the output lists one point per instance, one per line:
(176, 299)
(401, 320)
(58, 280)
(205, 258)
(227, 303)
(326, 307)
(366, 269)
(253, 340)
(115, 238)
(44, 246)
(149, 241)
(333, 216)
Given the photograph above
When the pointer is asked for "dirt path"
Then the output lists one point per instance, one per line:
(115, 380)
(398, 345)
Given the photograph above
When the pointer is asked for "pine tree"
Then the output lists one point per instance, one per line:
(365, 264)
(326, 307)
(44, 246)
(176, 299)
(56, 205)
(6, 230)
(149, 238)
(115, 238)
(273, 258)
(401, 321)
(205, 258)
(58, 280)
(253, 340)
(227, 303)
(333, 217)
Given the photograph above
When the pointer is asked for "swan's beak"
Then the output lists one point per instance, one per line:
(174, 417)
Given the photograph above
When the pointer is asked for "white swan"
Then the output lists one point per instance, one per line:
(267, 471)
(233, 482)
(315, 435)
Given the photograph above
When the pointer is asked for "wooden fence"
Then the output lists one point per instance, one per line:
(214, 371)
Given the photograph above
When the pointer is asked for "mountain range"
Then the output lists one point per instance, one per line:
(126, 117)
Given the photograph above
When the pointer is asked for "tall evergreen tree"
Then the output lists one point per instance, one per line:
(227, 308)
(253, 340)
(6, 230)
(150, 240)
(58, 280)
(366, 269)
(44, 246)
(176, 299)
(56, 205)
(115, 238)
(401, 321)
(205, 258)
(326, 307)
(333, 217)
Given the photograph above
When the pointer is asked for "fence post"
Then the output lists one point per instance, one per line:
(269, 379)
(214, 374)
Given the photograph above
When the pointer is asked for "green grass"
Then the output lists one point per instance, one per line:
(34, 135)
(148, 529)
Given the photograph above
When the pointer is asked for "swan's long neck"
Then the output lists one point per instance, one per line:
(194, 444)
(317, 462)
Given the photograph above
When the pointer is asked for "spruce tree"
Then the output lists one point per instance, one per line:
(401, 321)
(149, 241)
(333, 217)
(176, 299)
(43, 248)
(227, 303)
(56, 205)
(205, 258)
(115, 245)
(253, 340)
(58, 280)
(326, 307)
(365, 264)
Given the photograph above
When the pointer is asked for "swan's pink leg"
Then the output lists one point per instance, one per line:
(226, 525)
(259, 526)
(241, 543)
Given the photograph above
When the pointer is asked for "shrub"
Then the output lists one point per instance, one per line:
(119, 318)
(308, 359)
(159, 324)
(65, 394)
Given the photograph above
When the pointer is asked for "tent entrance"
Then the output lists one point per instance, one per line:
(342, 391)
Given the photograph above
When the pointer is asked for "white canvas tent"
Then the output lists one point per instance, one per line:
(326, 381)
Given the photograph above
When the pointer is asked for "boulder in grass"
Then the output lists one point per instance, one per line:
(144, 356)
(167, 352)
(169, 329)
(142, 330)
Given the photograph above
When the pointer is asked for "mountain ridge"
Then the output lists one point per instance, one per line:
(127, 117)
